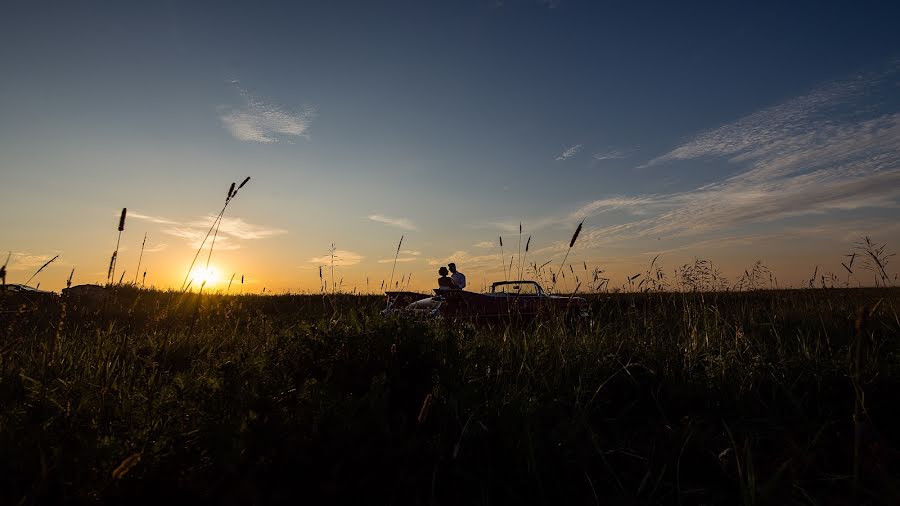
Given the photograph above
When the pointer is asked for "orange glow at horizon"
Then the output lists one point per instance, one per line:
(203, 277)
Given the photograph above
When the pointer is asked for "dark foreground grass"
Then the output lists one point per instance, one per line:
(777, 397)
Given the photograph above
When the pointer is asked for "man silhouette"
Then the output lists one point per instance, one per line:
(459, 279)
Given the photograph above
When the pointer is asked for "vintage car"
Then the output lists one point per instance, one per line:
(505, 298)
(86, 292)
(25, 290)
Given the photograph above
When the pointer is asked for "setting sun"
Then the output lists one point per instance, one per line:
(203, 276)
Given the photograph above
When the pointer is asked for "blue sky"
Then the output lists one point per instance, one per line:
(734, 131)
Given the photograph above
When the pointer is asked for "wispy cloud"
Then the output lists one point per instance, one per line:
(413, 255)
(238, 228)
(795, 119)
(610, 155)
(342, 258)
(24, 261)
(569, 152)
(404, 223)
(259, 121)
(823, 153)
(484, 244)
(636, 205)
(156, 248)
(145, 217)
(507, 225)
(467, 261)
(399, 259)
(231, 230)
(796, 161)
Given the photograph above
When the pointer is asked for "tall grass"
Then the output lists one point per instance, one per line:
(140, 258)
(759, 397)
(229, 197)
(111, 278)
(41, 268)
(394, 266)
(566, 257)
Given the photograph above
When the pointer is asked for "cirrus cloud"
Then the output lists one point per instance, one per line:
(404, 223)
(259, 121)
(231, 230)
(342, 258)
(569, 152)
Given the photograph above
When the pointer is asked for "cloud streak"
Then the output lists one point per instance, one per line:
(569, 152)
(231, 230)
(819, 154)
(24, 261)
(259, 121)
(399, 260)
(610, 155)
(342, 258)
(404, 223)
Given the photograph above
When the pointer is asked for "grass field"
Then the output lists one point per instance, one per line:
(757, 397)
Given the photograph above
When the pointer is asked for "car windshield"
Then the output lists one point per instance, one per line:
(517, 288)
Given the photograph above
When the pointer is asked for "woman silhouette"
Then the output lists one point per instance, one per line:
(444, 281)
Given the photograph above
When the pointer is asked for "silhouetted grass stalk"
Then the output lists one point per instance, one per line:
(112, 267)
(571, 243)
(503, 260)
(42, 268)
(391, 282)
(519, 276)
(141, 257)
(232, 193)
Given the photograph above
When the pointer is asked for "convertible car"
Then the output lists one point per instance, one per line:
(505, 298)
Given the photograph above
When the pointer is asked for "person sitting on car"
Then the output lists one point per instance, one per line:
(459, 279)
(444, 281)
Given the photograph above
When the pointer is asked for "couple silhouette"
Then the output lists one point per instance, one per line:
(457, 281)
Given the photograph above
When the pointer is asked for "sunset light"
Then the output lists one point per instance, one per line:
(450, 252)
(202, 276)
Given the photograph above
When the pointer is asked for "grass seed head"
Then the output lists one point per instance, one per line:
(112, 261)
(575, 235)
(122, 219)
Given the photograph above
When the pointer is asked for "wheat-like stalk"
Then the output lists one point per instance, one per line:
(503, 259)
(527, 245)
(520, 251)
(42, 268)
(112, 266)
(571, 243)
(232, 193)
(112, 261)
(141, 257)
(391, 282)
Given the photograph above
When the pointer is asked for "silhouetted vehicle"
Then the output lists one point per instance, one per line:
(25, 289)
(86, 292)
(505, 298)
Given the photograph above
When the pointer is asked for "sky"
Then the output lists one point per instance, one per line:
(734, 132)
